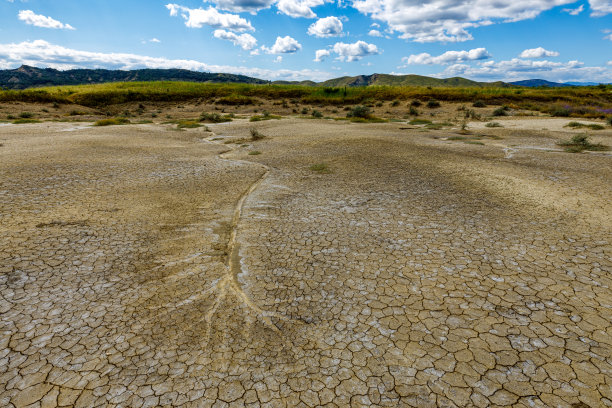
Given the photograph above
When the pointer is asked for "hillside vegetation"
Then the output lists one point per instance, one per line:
(572, 101)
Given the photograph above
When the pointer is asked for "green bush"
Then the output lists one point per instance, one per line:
(316, 114)
(416, 103)
(493, 125)
(112, 122)
(360, 112)
(26, 115)
(500, 111)
(214, 118)
(580, 143)
(432, 103)
(255, 135)
(413, 111)
(479, 104)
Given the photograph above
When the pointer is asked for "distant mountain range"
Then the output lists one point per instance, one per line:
(29, 77)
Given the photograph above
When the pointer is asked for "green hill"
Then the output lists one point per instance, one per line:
(407, 80)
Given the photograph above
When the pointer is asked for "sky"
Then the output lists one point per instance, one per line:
(484, 40)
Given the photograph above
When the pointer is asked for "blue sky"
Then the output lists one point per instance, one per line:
(558, 40)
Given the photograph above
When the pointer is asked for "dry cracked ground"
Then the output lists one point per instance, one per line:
(141, 266)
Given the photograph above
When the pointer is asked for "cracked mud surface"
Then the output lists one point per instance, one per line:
(141, 266)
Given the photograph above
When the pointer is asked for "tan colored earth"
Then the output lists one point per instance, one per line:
(345, 265)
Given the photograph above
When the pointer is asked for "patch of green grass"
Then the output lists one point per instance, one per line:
(494, 125)
(26, 115)
(316, 114)
(473, 142)
(254, 153)
(457, 138)
(24, 121)
(578, 125)
(419, 122)
(188, 124)
(76, 113)
(438, 126)
(479, 104)
(112, 122)
(258, 118)
(321, 168)
(581, 143)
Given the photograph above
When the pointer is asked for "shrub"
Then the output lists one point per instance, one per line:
(255, 135)
(493, 125)
(26, 115)
(609, 120)
(359, 112)
(254, 153)
(432, 103)
(413, 111)
(111, 122)
(415, 103)
(395, 103)
(235, 99)
(188, 124)
(320, 168)
(316, 114)
(580, 143)
(578, 125)
(419, 122)
(500, 111)
(214, 118)
(479, 104)
(23, 121)
(305, 111)
(561, 112)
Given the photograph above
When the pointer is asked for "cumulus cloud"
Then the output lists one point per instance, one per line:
(154, 40)
(241, 6)
(283, 45)
(538, 53)
(245, 41)
(520, 69)
(348, 52)
(600, 8)
(298, 8)
(196, 18)
(326, 27)
(41, 53)
(37, 20)
(449, 57)
(574, 11)
(374, 33)
(449, 20)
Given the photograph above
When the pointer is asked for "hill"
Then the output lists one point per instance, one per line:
(29, 77)
(407, 80)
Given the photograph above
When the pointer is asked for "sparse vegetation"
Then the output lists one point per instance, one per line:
(112, 122)
(24, 121)
(578, 125)
(493, 125)
(479, 104)
(581, 143)
(419, 122)
(254, 153)
(214, 118)
(256, 135)
(432, 104)
(265, 116)
(26, 115)
(501, 111)
(316, 114)
(359, 112)
(413, 112)
(188, 124)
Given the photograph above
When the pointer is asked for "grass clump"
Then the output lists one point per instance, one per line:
(320, 168)
(26, 115)
(432, 103)
(256, 135)
(24, 121)
(112, 122)
(188, 124)
(578, 125)
(501, 111)
(254, 153)
(214, 118)
(438, 126)
(494, 125)
(479, 104)
(264, 116)
(581, 143)
(360, 112)
(317, 114)
(416, 103)
(419, 122)
(235, 100)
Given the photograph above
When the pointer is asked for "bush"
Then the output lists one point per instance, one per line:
(500, 111)
(415, 103)
(254, 153)
(214, 118)
(112, 122)
(26, 115)
(580, 143)
(255, 135)
(413, 111)
(188, 124)
(359, 112)
(24, 121)
(419, 122)
(395, 103)
(493, 125)
(609, 120)
(316, 114)
(432, 103)
(236, 100)
(561, 112)
(305, 111)
(479, 104)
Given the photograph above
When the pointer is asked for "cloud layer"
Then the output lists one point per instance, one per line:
(449, 57)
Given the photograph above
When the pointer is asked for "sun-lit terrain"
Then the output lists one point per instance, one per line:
(285, 250)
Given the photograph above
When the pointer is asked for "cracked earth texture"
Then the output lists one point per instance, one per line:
(141, 267)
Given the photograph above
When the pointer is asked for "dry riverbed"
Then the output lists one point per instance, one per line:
(328, 264)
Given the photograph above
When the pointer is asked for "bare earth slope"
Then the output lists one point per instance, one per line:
(141, 266)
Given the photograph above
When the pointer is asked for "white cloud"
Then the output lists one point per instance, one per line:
(245, 41)
(196, 18)
(241, 6)
(600, 8)
(326, 27)
(449, 57)
(538, 53)
(154, 40)
(348, 52)
(449, 20)
(298, 8)
(37, 20)
(278, 59)
(41, 53)
(283, 45)
(608, 37)
(574, 11)
(320, 55)
(374, 33)
(520, 69)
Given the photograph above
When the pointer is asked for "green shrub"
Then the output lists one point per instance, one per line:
(214, 118)
(580, 143)
(188, 124)
(416, 103)
(236, 99)
(316, 114)
(413, 111)
(479, 104)
(359, 112)
(419, 122)
(305, 111)
(255, 135)
(493, 125)
(561, 112)
(254, 153)
(26, 115)
(395, 103)
(24, 121)
(432, 103)
(609, 120)
(500, 111)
